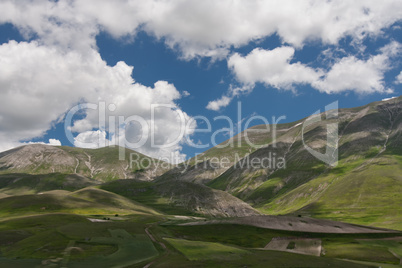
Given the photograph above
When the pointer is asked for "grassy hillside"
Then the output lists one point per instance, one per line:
(106, 198)
(88, 201)
(363, 188)
(366, 195)
(178, 197)
(19, 184)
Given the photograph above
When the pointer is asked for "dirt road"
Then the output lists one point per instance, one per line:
(155, 241)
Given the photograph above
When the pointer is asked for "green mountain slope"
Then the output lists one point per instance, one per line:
(367, 195)
(88, 201)
(20, 183)
(182, 198)
(363, 188)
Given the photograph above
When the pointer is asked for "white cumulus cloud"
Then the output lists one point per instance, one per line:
(39, 84)
(216, 105)
(201, 28)
(350, 73)
(271, 67)
(52, 142)
(91, 139)
(361, 76)
(399, 78)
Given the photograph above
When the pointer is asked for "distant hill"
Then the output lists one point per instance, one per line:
(203, 168)
(101, 164)
(181, 197)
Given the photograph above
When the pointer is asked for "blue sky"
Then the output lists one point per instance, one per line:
(281, 58)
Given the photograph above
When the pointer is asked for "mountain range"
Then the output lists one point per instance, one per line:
(363, 188)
